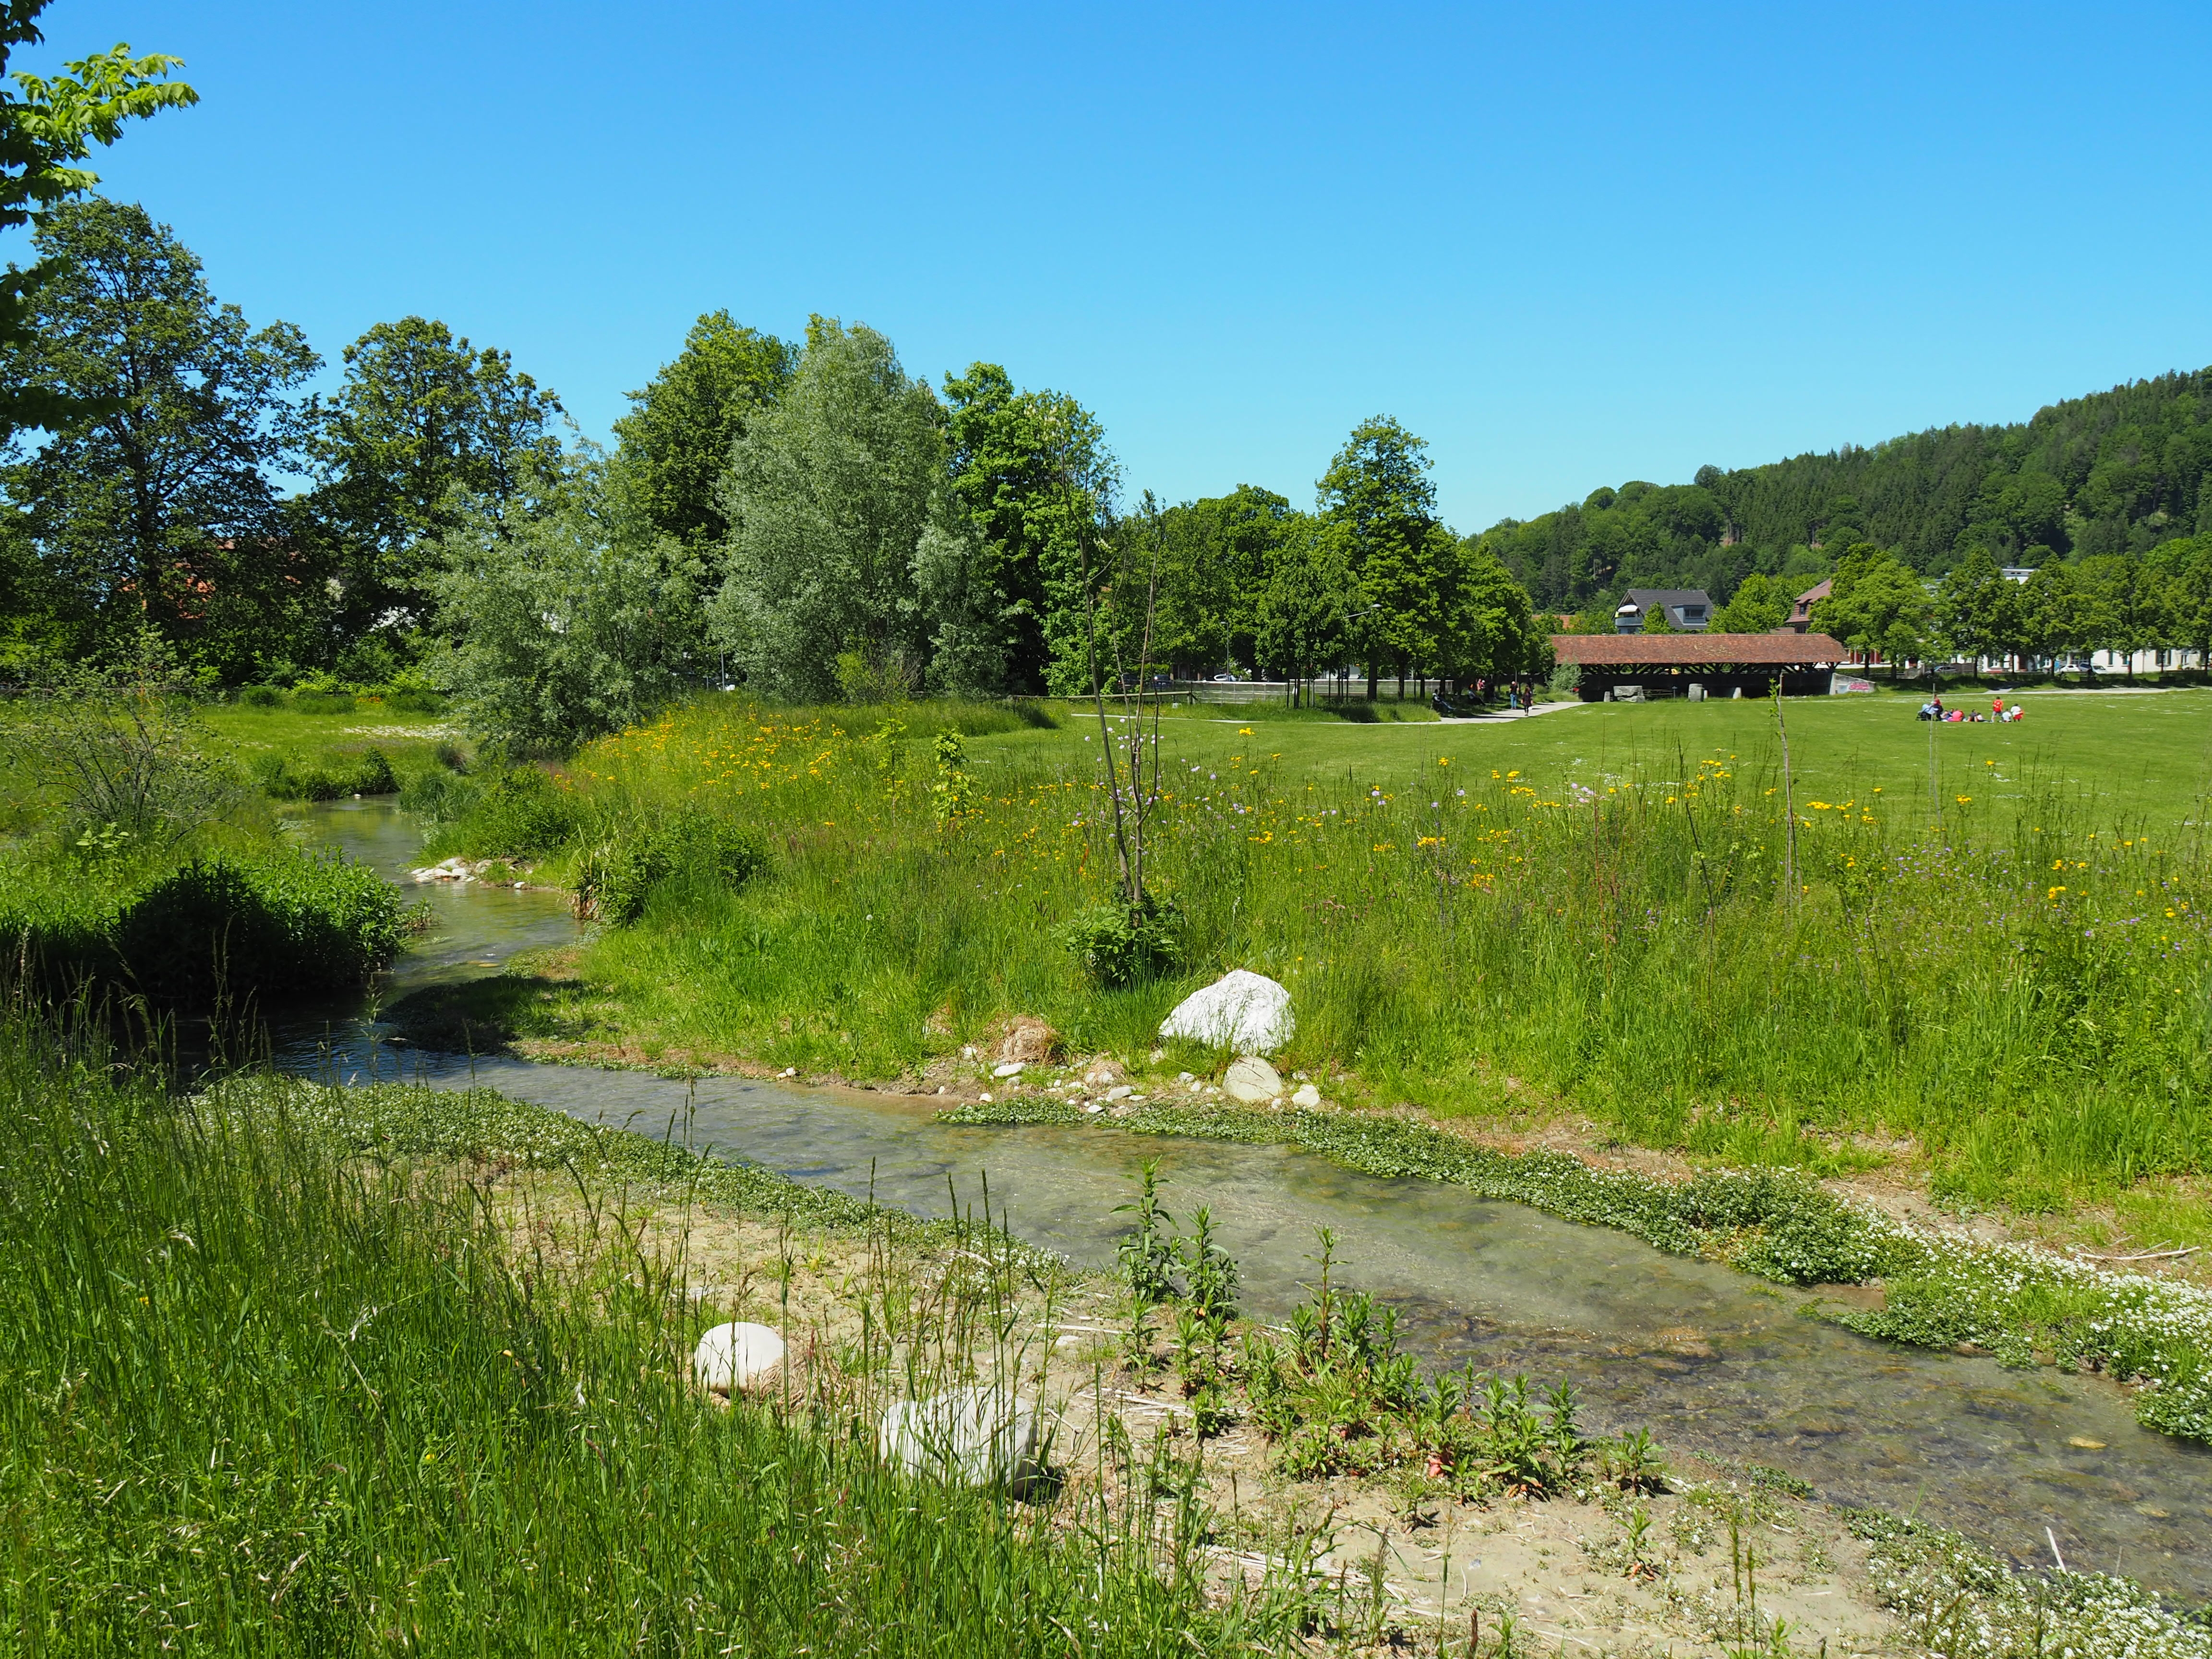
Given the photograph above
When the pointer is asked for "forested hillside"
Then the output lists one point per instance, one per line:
(2115, 472)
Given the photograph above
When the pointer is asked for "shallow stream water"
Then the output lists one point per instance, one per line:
(1709, 1359)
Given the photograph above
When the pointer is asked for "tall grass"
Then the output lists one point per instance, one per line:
(2019, 989)
(262, 1394)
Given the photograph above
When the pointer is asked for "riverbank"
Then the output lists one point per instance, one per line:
(1705, 1559)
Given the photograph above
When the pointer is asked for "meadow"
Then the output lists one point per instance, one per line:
(1999, 984)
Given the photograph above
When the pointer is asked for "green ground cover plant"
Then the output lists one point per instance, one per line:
(2019, 986)
(2027, 1306)
(272, 1385)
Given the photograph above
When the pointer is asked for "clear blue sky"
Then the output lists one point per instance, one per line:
(1571, 245)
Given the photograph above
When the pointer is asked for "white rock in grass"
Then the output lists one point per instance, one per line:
(1245, 1011)
(976, 1436)
(1307, 1095)
(1253, 1081)
(733, 1358)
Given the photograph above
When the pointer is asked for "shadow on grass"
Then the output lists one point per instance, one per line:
(481, 1016)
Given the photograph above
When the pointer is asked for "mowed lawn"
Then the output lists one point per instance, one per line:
(2124, 756)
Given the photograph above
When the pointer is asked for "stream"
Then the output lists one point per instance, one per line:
(1710, 1359)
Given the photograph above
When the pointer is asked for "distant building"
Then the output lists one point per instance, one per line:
(1687, 608)
(1609, 666)
(1800, 608)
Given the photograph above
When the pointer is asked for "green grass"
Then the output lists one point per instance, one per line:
(1468, 927)
(262, 1394)
(368, 749)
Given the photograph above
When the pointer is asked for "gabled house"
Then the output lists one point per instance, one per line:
(1688, 608)
(1800, 608)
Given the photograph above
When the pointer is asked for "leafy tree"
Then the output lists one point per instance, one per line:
(1302, 618)
(676, 440)
(2185, 567)
(1876, 606)
(46, 127)
(1973, 607)
(1488, 629)
(1218, 560)
(1378, 503)
(151, 502)
(423, 423)
(1030, 471)
(555, 626)
(1759, 606)
(2126, 604)
(1656, 620)
(829, 492)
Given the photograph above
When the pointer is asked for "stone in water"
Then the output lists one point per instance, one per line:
(733, 1358)
(1253, 1081)
(1245, 1012)
(976, 1436)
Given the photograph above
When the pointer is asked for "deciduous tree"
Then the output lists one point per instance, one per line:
(675, 443)
(828, 493)
(151, 502)
(424, 423)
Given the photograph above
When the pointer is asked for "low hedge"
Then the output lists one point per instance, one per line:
(272, 927)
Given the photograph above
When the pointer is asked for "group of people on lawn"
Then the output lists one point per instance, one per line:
(1933, 710)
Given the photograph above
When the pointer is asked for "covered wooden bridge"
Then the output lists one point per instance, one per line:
(1700, 665)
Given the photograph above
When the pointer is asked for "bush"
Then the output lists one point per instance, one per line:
(333, 777)
(323, 702)
(522, 812)
(412, 701)
(618, 877)
(1121, 943)
(261, 696)
(223, 928)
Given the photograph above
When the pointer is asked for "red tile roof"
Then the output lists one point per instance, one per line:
(1699, 650)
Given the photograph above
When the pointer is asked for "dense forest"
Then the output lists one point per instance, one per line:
(2116, 472)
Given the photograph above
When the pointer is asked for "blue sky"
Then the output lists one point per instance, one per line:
(1570, 246)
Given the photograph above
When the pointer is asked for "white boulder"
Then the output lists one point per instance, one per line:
(733, 1358)
(1245, 1012)
(976, 1436)
(1307, 1095)
(1253, 1081)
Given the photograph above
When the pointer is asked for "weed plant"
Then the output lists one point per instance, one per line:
(264, 1392)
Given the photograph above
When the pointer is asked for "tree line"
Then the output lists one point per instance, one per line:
(2115, 475)
(803, 514)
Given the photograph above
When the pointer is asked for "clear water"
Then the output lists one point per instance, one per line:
(1710, 1360)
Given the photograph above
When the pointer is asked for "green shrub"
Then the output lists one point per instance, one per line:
(520, 812)
(227, 928)
(411, 701)
(323, 702)
(619, 876)
(261, 696)
(1122, 943)
(329, 777)
(440, 795)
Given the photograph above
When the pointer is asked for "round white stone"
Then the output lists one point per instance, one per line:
(736, 1356)
(1245, 1013)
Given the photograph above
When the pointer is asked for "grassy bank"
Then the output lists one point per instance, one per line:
(2011, 985)
(264, 1394)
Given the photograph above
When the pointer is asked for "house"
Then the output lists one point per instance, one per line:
(1705, 664)
(1687, 608)
(1800, 608)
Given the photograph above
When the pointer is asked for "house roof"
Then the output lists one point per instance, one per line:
(1644, 597)
(1698, 650)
